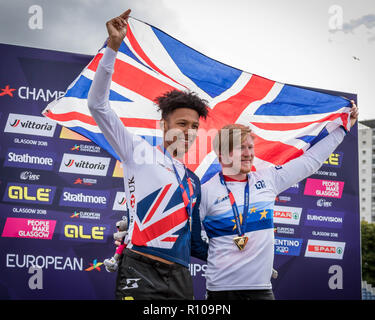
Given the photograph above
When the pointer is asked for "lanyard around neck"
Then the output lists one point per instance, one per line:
(241, 228)
(186, 196)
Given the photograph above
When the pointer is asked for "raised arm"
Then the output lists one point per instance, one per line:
(117, 29)
(307, 164)
(98, 98)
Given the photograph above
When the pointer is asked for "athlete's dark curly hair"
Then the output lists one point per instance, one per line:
(174, 99)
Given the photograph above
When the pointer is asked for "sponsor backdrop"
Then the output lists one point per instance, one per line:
(61, 196)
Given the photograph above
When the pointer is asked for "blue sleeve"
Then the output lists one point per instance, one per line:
(199, 248)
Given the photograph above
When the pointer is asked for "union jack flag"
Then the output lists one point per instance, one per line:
(286, 120)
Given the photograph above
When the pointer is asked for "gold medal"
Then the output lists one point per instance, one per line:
(240, 242)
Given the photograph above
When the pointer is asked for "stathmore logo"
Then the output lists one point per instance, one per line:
(73, 163)
(27, 124)
(83, 198)
(29, 158)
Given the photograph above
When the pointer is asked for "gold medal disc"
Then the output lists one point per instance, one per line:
(240, 241)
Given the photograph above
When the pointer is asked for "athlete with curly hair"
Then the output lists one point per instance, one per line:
(162, 195)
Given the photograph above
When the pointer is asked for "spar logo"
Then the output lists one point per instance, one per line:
(27, 124)
(325, 249)
(120, 202)
(287, 215)
(73, 163)
(19, 192)
(288, 246)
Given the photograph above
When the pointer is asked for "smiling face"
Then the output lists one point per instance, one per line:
(234, 147)
(242, 156)
(180, 130)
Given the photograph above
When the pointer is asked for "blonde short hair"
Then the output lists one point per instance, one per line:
(229, 136)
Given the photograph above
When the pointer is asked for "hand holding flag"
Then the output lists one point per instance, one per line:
(117, 29)
(353, 114)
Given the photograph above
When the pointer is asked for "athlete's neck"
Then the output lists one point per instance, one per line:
(173, 151)
(232, 175)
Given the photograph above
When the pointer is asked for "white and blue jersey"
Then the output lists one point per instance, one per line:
(228, 268)
(159, 222)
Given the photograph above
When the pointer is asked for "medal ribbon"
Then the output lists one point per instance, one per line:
(240, 227)
(186, 196)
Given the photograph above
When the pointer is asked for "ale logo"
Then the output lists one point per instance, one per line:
(29, 193)
(84, 232)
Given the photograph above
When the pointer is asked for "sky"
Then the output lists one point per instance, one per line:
(317, 43)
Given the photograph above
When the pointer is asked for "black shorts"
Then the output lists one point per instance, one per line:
(143, 278)
(241, 295)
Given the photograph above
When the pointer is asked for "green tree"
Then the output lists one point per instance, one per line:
(368, 251)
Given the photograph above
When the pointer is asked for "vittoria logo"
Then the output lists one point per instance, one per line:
(27, 124)
(120, 202)
(69, 164)
(74, 163)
